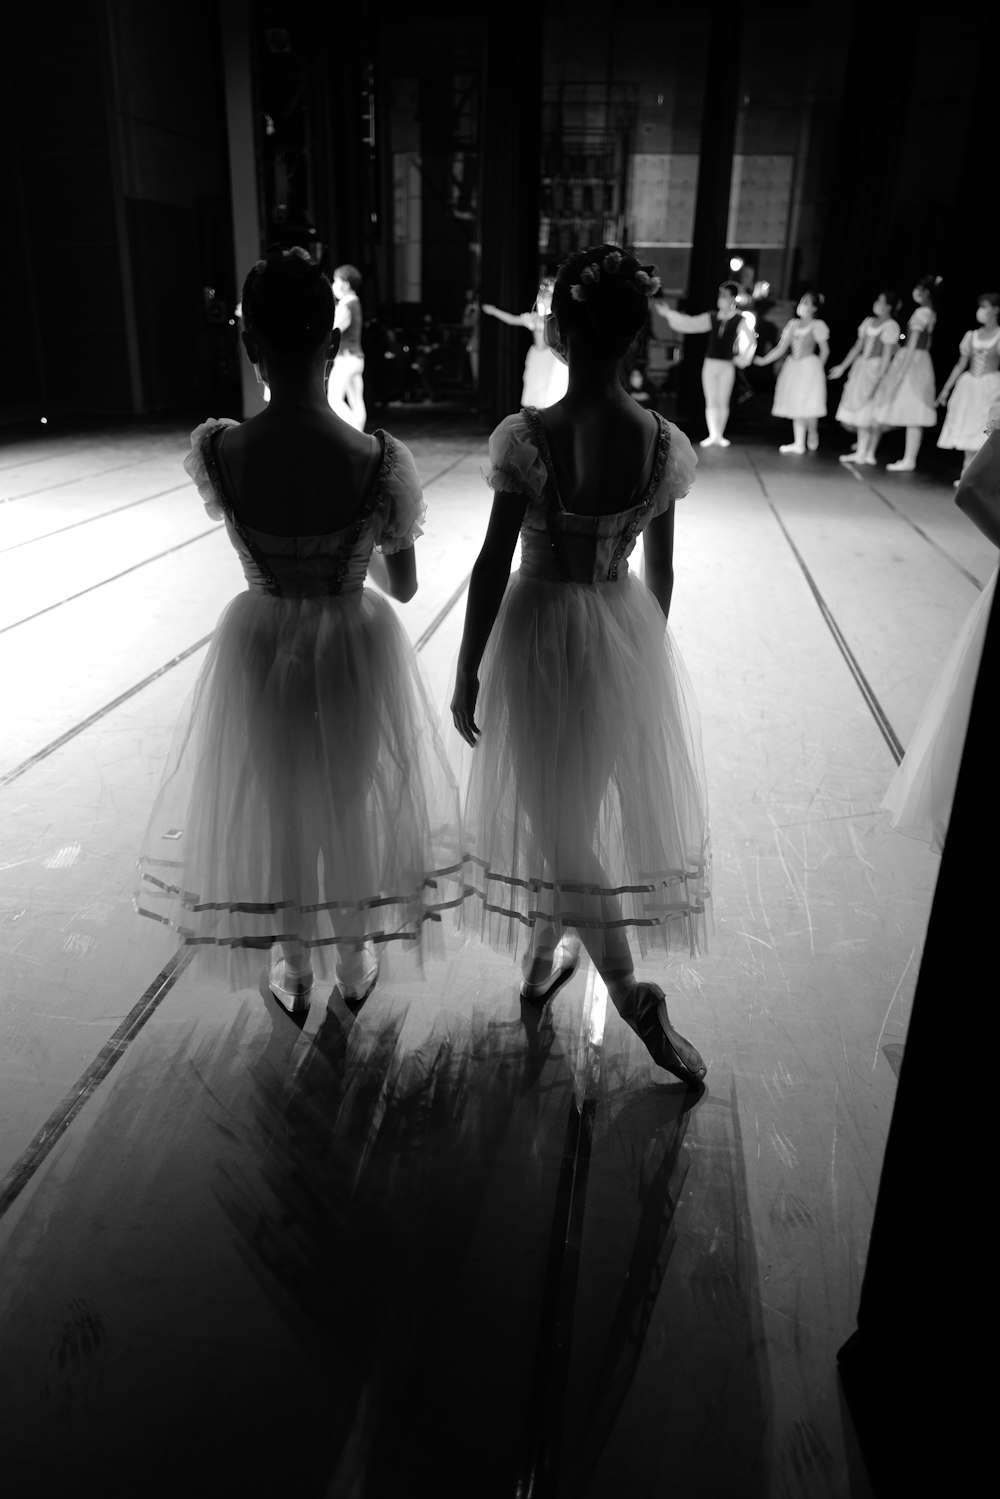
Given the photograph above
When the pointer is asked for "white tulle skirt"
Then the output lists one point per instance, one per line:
(855, 408)
(306, 795)
(920, 794)
(905, 396)
(585, 805)
(968, 411)
(800, 390)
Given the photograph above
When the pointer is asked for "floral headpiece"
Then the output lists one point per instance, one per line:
(644, 279)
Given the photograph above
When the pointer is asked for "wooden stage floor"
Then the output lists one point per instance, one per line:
(447, 1246)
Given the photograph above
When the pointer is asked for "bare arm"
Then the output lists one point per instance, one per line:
(396, 574)
(658, 554)
(683, 322)
(513, 319)
(823, 346)
(486, 591)
(847, 360)
(978, 494)
(780, 348)
(946, 389)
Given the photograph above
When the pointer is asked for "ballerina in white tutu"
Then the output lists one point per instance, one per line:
(800, 390)
(867, 359)
(585, 811)
(905, 394)
(921, 793)
(545, 376)
(306, 803)
(974, 384)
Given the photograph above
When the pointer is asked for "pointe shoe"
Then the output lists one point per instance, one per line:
(565, 961)
(355, 993)
(290, 989)
(677, 1056)
(791, 447)
(902, 467)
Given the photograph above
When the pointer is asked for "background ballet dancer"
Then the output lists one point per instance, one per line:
(545, 376)
(868, 359)
(346, 389)
(800, 391)
(731, 346)
(974, 384)
(905, 395)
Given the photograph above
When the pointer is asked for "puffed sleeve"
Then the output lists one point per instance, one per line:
(196, 468)
(678, 475)
(863, 329)
(516, 466)
(401, 507)
(890, 332)
(922, 318)
(821, 330)
(965, 347)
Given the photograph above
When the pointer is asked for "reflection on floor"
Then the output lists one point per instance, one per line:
(450, 1243)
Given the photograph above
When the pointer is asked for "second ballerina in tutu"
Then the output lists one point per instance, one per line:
(585, 811)
(800, 392)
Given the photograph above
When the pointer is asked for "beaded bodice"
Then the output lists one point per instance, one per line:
(803, 341)
(873, 342)
(560, 545)
(306, 566)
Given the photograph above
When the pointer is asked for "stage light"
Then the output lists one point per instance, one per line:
(736, 264)
(761, 289)
(44, 421)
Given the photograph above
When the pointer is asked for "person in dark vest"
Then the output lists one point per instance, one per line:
(346, 389)
(731, 346)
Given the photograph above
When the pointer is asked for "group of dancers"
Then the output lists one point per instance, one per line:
(890, 379)
(311, 814)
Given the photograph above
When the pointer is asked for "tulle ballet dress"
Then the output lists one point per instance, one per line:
(905, 396)
(800, 390)
(976, 390)
(921, 793)
(856, 407)
(585, 804)
(306, 794)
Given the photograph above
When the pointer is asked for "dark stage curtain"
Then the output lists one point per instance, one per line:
(511, 151)
(915, 1372)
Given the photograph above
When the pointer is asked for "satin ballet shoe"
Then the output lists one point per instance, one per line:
(290, 989)
(812, 441)
(565, 961)
(357, 992)
(723, 442)
(902, 467)
(707, 442)
(852, 457)
(791, 447)
(641, 1013)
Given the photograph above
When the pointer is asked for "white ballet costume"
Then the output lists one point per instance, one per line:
(922, 791)
(906, 393)
(800, 389)
(975, 391)
(306, 796)
(585, 805)
(857, 401)
(546, 378)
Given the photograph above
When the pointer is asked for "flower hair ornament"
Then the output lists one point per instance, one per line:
(644, 279)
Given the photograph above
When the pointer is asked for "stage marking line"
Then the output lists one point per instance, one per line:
(115, 468)
(976, 582)
(92, 588)
(89, 519)
(853, 665)
(59, 1121)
